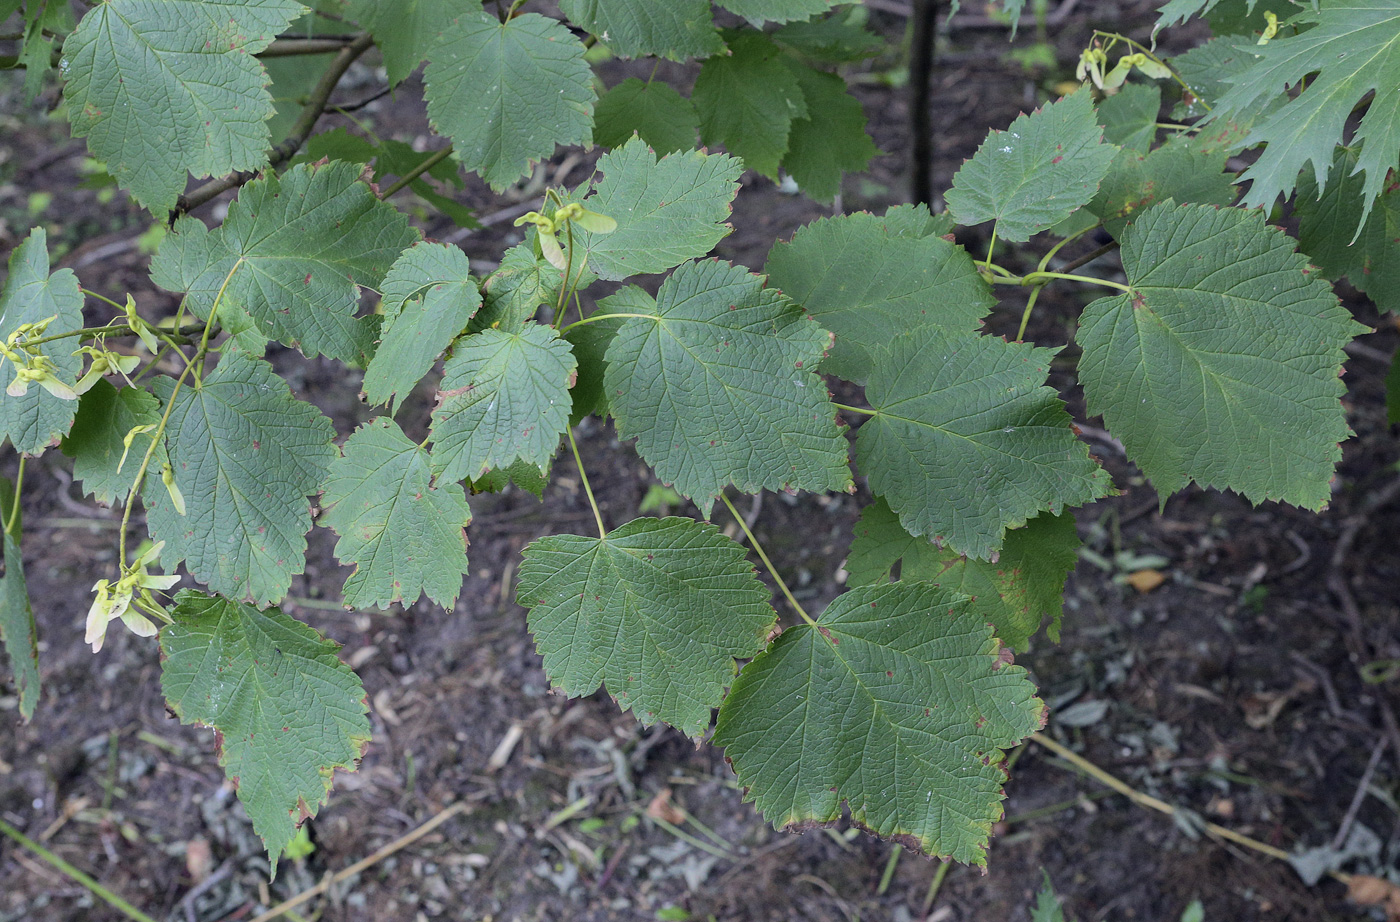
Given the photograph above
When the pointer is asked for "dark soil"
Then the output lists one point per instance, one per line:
(1231, 690)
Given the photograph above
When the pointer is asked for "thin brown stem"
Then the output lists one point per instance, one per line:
(301, 130)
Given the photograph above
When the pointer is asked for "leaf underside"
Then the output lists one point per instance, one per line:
(18, 634)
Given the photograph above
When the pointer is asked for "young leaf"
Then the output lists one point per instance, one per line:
(657, 611)
(1354, 50)
(30, 295)
(1018, 592)
(676, 29)
(777, 10)
(867, 284)
(17, 632)
(97, 443)
(1130, 117)
(1221, 364)
(402, 531)
(719, 388)
(287, 711)
(967, 441)
(408, 30)
(181, 69)
(504, 396)
(1035, 174)
(895, 702)
(667, 210)
(512, 294)
(507, 93)
(831, 140)
(1327, 222)
(246, 455)
(290, 257)
(748, 99)
(656, 113)
(1047, 904)
(428, 298)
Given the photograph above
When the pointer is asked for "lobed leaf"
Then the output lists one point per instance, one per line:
(428, 298)
(165, 88)
(867, 283)
(38, 420)
(287, 712)
(966, 440)
(1221, 364)
(97, 444)
(655, 112)
(514, 292)
(1022, 589)
(402, 531)
(1327, 222)
(657, 611)
(504, 397)
(1035, 174)
(1352, 51)
(719, 388)
(831, 140)
(246, 455)
(288, 261)
(748, 99)
(676, 29)
(508, 93)
(667, 210)
(895, 702)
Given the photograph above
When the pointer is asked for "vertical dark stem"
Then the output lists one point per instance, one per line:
(920, 94)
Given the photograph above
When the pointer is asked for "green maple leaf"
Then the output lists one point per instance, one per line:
(508, 93)
(867, 283)
(1129, 118)
(400, 529)
(966, 440)
(1023, 588)
(657, 611)
(1035, 174)
(30, 295)
(246, 455)
(655, 112)
(896, 702)
(504, 396)
(428, 297)
(96, 441)
(748, 99)
(1327, 221)
(840, 38)
(1221, 364)
(831, 140)
(406, 31)
(18, 634)
(288, 712)
(667, 210)
(514, 292)
(1176, 170)
(777, 10)
(164, 88)
(1353, 50)
(718, 387)
(676, 29)
(915, 220)
(289, 260)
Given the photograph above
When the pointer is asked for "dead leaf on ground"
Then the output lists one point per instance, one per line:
(1373, 891)
(1146, 580)
(661, 808)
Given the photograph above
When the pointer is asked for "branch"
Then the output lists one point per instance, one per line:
(287, 47)
(283, 152)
